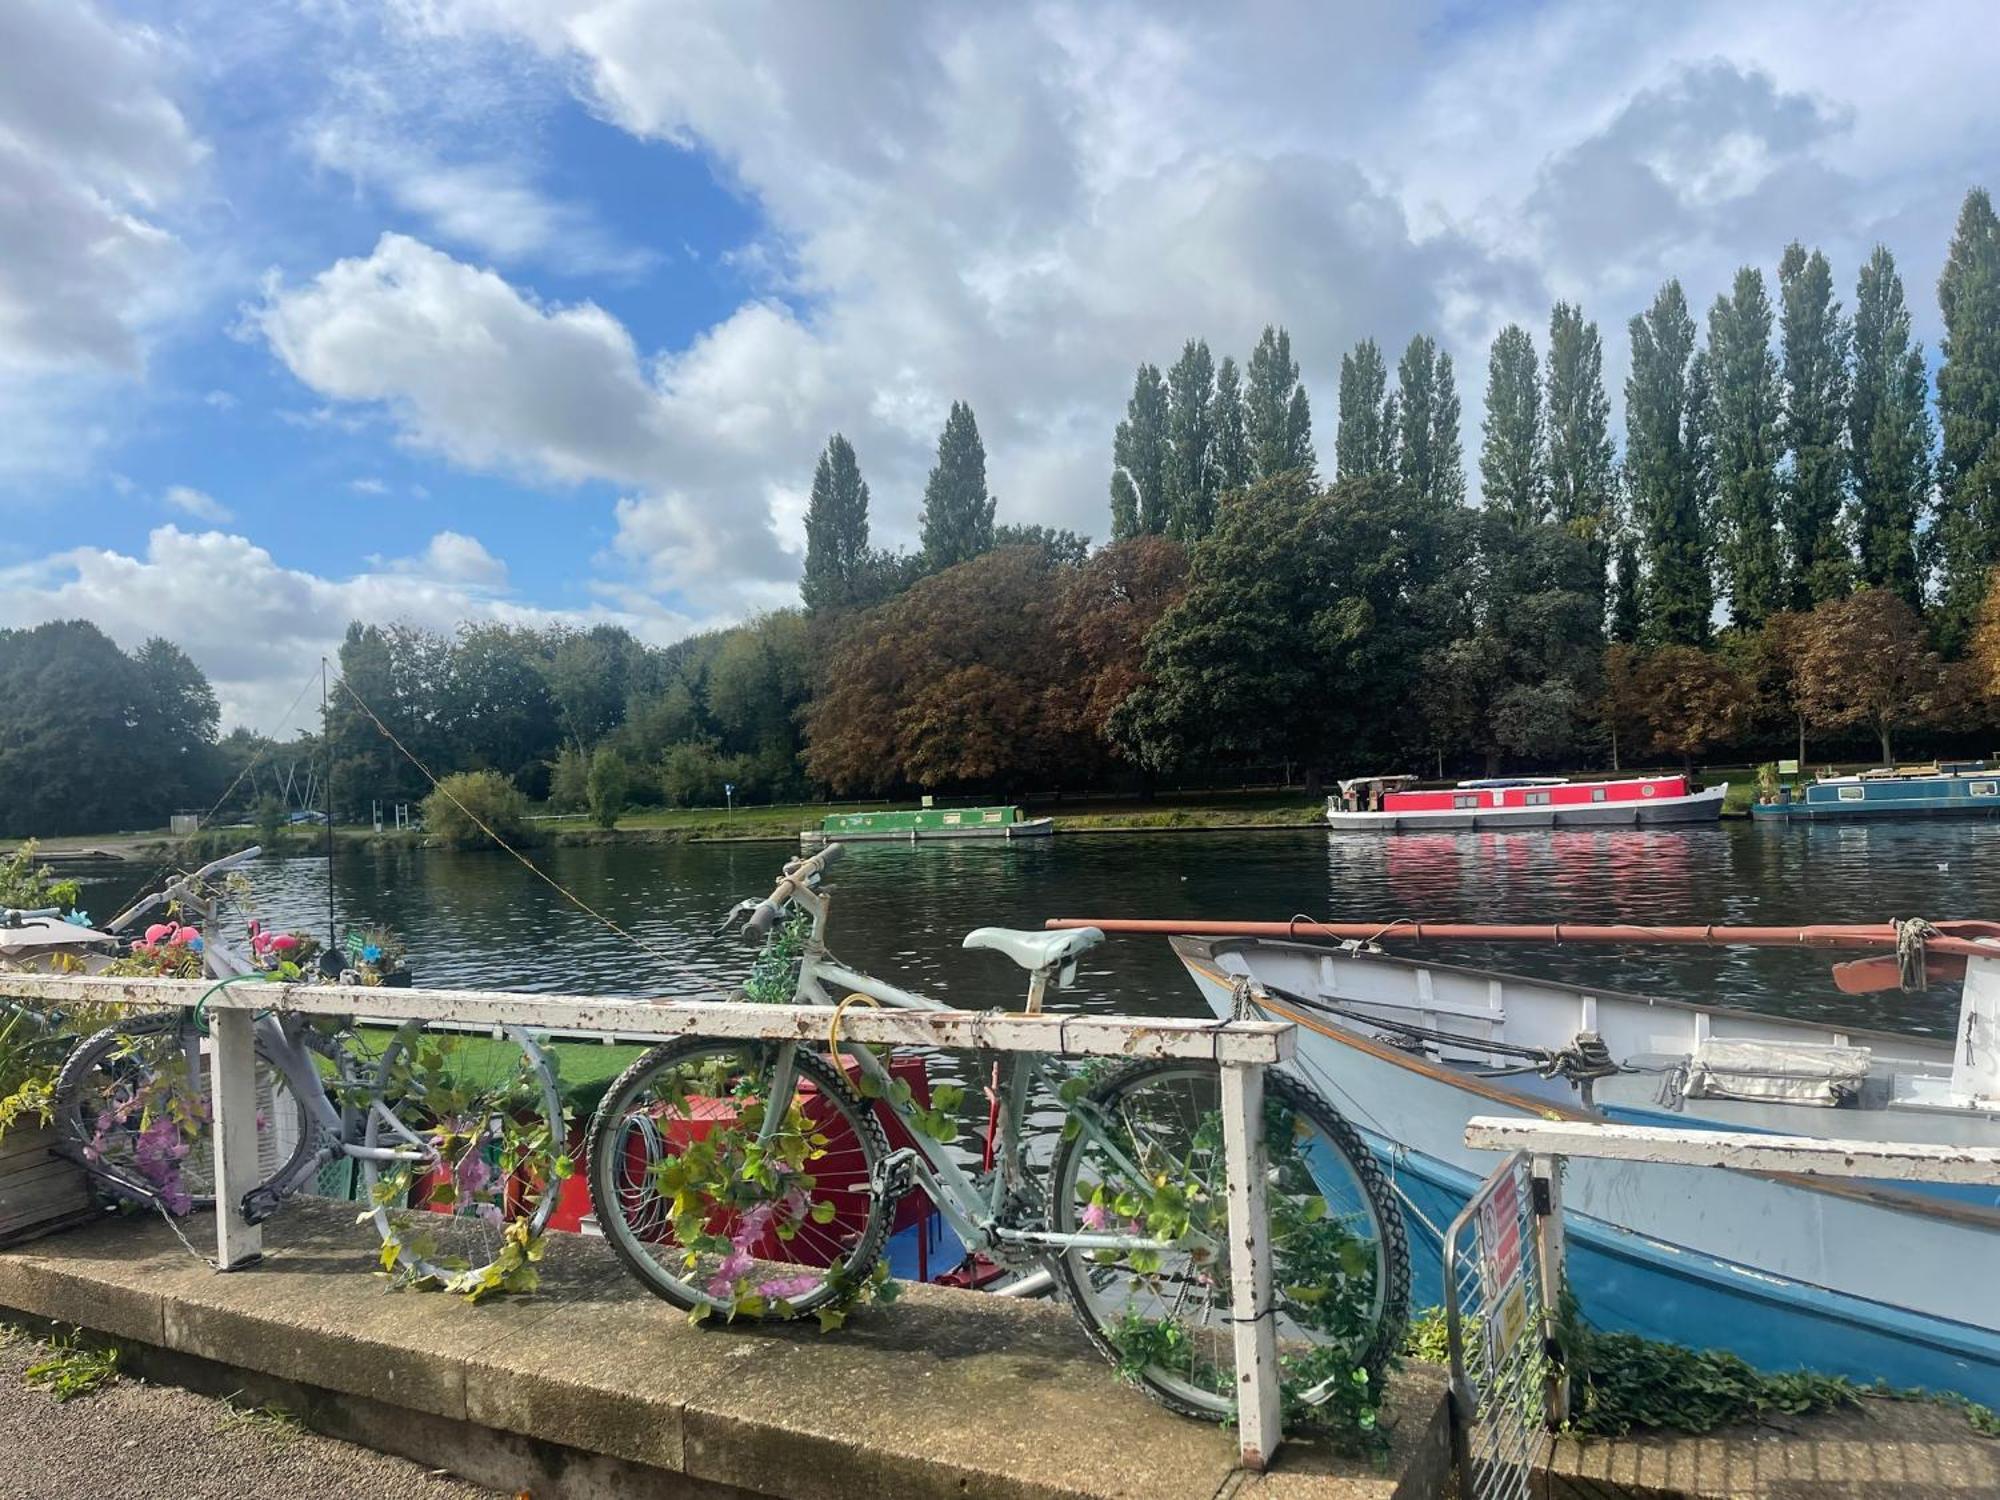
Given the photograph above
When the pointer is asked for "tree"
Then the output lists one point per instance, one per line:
(1429, 460)
(1103, 613)
(1139, 455)
(1693, 701)
(836, 530)
(1190, 476)
(1366, 443)
(1293, 590)
(589, 676)
(1862, 661)
(1621, 701)
(1816, 340)
(1666, 469)
(957, 521)
(470, 808)
(608, 785)
(1064, 547)
(1627, 592)
(1511, 458)
(1889, 433)
(177, 717)
(1968, 398)
(944, 686)
(1581, 473)
(1984, 648)
(495, 709)
(1232, 443)
(569, 781)
(1744, 406)
(1277, 417)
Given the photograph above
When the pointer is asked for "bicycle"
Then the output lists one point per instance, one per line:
(460, 1141)
(754, 1180)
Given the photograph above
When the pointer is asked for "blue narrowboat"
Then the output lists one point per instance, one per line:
(1965, 789)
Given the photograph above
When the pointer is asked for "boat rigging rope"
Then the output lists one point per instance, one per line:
(1911, 967)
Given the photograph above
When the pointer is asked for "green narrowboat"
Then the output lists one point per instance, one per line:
(915, 825)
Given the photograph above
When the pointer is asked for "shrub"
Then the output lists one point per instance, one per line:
(270, 816)
(465, 800)
(569, 789)
(608, 782)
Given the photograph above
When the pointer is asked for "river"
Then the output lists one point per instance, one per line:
(899, 911)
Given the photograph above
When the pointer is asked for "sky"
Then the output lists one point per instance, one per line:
(541, 310)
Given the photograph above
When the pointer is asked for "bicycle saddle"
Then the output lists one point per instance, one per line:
(1036, 950)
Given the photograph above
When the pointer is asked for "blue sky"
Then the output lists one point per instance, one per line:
(541, 309)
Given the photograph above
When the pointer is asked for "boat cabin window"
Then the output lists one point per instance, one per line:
(1538, 799)
(1853, 793)
(1984, 788)
(1597, 794)
(1465, 802)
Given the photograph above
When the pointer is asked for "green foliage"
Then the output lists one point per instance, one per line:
(957, 520)
(1232, 443)
(607, 785)
(1581, 472)
(470, 807)
(1427, 1339)
(836, 530)
(1968, 401)
(1190, 473)
(27, 885)
(1064, 547)
(1744, 418)
(1666, 466)
(1816, 339)
(269, 815)
(1139, 457)
(1366, 443)
(68, 1369)
(1889, 434)
(1620, 1381)
(1277, 418)
(569, 780)
(1429, 460)
(1511, 460)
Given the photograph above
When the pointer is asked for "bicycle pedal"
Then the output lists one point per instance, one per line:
(259, 1204)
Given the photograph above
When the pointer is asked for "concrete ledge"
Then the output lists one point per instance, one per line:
(593, 1387)
(1881, 1450)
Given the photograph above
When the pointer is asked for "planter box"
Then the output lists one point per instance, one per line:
(39, 1191)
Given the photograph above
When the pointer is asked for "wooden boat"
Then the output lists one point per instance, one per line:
(1390, 804)
(1963, 789)
(1873, 1280)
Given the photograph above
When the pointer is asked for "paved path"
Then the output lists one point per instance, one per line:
(167, 1444)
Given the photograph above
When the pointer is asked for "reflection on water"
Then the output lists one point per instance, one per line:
(900, 911)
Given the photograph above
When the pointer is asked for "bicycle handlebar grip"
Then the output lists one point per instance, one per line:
(761, 920)
(831, 855)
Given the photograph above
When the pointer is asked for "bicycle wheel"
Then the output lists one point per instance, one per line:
(1146, 1157)
(720, 1204)
(133, 1101)
(464, 1152)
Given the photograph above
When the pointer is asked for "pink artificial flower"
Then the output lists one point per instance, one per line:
(1094, 1216)
(284, 942)
(788, 1287)
(158, 931)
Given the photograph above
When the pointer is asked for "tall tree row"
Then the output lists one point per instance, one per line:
(1667, 469)
(1968, 399)
(1889, 434)
(1365, 444)
(1744, 415)
(1815, 338)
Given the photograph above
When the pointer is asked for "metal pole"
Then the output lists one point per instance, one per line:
(1257, 1430)
(326, 743)
(232, 1064)
(1547, 1172)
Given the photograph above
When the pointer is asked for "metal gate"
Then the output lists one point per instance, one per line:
(1498, 1280)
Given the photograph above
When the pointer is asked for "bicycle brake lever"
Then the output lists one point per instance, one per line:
(741, 909)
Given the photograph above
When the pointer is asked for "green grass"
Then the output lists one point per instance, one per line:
(69, 1370)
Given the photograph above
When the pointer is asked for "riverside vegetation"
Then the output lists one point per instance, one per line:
(1791, 555)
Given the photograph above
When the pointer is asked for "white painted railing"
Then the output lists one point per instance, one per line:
(1803, 1155)
(1241, 1049)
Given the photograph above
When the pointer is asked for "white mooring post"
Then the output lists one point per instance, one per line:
(232, 1063)
(1250, 1266)
(1546, 1174)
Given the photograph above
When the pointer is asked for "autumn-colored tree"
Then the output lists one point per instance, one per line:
(1621, 703)
(1984, 650)
(943, 686)
(1767, 660)
(1693, 701)
(1100, 618)
(1862, 660)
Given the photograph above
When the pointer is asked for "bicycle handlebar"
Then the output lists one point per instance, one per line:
(182, 886)
(14, 916)
(798, 873)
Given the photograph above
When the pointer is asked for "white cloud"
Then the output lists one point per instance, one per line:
(91, 148)
(263, 637)
(368, 485)
(196, 503)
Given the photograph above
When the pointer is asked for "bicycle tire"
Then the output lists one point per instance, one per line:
(1392, 1275)
(81, 1134)
(421, 1258)
(606, 1149)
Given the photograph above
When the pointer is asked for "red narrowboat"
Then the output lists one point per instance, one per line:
(1391, 804)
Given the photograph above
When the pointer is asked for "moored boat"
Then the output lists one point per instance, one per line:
(1392, 804)
(1962, 789)
(1873, 1280)
(913, 825)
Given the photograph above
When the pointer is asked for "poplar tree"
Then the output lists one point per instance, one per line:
(1190, 474)
(1582, 474)
(1968, 397)
(1889, 433)
(836, 529)
(958, 511)
(1511, 466)
(1277, 417)
(1139, 459)
(1815, 419)
(1232, 446)
(1744, 408)
(1366, 442)
(1666, 470)
(1429, 461)
(1627, 605)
